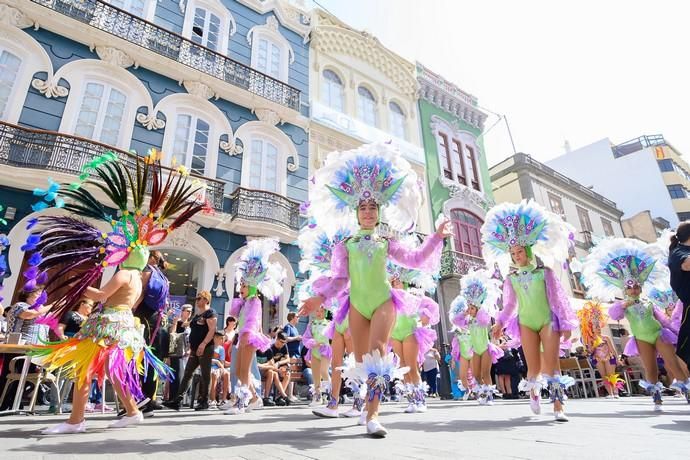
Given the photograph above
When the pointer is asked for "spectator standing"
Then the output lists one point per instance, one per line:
(202, 329)
(218, 372)
(179, 351)
(150, 313)
(292, 335)
(430, 370)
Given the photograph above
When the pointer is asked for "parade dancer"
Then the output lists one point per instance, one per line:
(602, 353)
(317, 248)
(461, 346)
(412, 336)
(319, 354)
(68, 251)
(623, 267)
(373, 182)
(536, 311)
(480, 293)
(254, 275)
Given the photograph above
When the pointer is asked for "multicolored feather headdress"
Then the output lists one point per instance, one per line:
(592, 320)
(256, 271)
(529, 225)
(422, 279)
(68, 254)
(316, 246)
(373, 172)
(458, 307)
(480, 289)
(619, 263)
(663, 297)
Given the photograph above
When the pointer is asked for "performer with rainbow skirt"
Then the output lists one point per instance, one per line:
(602, 353)
(66, 251)
(472, 311)
(373, 182)
(254, 274)
(536, 311)
(624, 267)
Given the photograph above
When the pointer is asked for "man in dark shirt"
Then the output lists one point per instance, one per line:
(292, 334)
(280, 356)
(202, 329)
(679, 264)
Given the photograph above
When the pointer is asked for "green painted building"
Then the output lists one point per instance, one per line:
(457, 177)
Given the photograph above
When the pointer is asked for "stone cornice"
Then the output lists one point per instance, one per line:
(447, 96)
(329, 35)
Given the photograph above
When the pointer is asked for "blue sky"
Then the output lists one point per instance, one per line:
(579, 71)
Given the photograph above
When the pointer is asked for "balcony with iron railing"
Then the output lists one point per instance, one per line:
(121, 24)
(266, 207)
(63, 153)
(454, 263)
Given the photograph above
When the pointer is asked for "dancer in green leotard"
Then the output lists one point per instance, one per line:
(536, 311)
(624, 266)
(373, 181)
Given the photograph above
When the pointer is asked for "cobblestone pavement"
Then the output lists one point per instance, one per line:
(621, 429)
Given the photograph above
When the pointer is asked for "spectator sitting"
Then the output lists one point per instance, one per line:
(21, 317)
(277, 370)
(229, 331)
(218, 372)
(306, 367)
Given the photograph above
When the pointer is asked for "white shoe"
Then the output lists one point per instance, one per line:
(347, 399)
(316, 401)
(411, 408)
(560, 416)
(352, 413)
(375, 429)
(657, 408)
(126, 421)
(609, 396)
(66, 428)
(234, 411)
(226, 405)
(535, 402)
(616, 396)
(421, 407)
(257, 404)
(212, 405)
(362, 418)
(325, 412)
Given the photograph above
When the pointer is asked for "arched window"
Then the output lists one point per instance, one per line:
(263, 165)
(101, 112)
(10, 65)
(366, 106)
(397, 120)
(191, 142)
(271, 52)
(141, 8)
(209, 23)
(332, 92)
(466, 232)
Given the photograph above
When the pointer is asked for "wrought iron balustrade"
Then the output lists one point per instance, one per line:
(124, 25)
(264, 206)
(51, 151)
(458, 263)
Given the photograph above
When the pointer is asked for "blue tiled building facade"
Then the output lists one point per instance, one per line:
(216, 85)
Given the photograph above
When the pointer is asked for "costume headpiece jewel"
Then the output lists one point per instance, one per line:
(619, 263)
(255, 269)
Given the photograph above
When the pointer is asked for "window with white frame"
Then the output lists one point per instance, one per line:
(332, 93)
(206, 29)
(101, 113)
(263, 165)
(136, 7)
(366, 106)
(9, 69)
(268, 58)
(191, 142)
(397, 120)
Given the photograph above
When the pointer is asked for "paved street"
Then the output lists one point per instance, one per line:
(623, 429)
